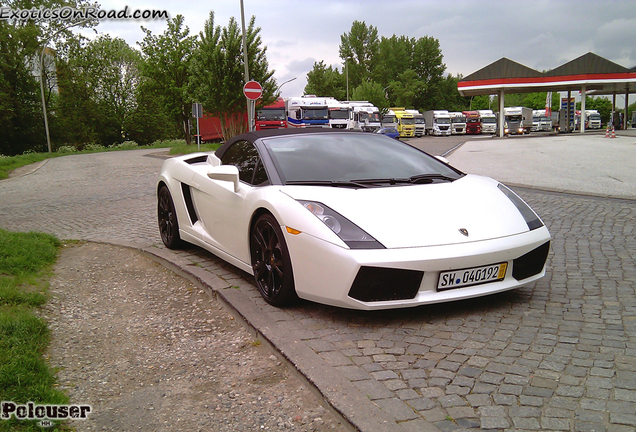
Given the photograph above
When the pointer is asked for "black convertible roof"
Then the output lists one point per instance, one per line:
(255, 135)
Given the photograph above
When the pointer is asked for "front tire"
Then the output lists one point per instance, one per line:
(167, 218)
(271, 262)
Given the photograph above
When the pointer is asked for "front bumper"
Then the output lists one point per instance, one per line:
(326, 273)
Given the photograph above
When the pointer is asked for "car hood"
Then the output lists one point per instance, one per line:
(423, 215)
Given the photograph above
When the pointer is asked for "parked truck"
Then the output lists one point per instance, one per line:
(420, 123)
(473, 123)
(363, 116)
(271, 116)
(338, 113)
(405, 122)
(389, 120)
(488, 121)
(307, 111)
(518, 120)
(458, 123)
(592, 119)
(540, 121)
(438, 122)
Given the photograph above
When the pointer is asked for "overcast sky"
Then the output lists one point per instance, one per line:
(539, 34)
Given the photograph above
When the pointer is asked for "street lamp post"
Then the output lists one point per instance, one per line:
(289, 80)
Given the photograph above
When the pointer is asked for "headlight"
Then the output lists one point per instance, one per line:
(528, 214)
(353, 236)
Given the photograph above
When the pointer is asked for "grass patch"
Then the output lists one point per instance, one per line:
(25, 263)
(182, 148)
(177, 147)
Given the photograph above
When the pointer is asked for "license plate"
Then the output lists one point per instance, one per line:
(472, 276)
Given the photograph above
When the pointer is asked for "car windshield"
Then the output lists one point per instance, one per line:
(371, 159)
(458, 119)
(271, 114)
(389, 119)
(442, 120)
(488, 120)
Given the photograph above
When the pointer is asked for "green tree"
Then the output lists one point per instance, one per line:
(20, 106)
(98, 89)
(217, 72)
(394, 56)
(372, 92)
(166, 66)
(326, 81)
(358, 49)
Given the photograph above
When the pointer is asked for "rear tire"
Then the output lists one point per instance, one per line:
(271, 262)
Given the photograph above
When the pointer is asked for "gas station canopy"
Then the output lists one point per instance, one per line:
(590, 70)
(588, 73)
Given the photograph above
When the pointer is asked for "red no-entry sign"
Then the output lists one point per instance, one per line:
(252, 90)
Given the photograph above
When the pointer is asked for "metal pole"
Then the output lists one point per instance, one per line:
(626, 106)
(501, 113)
(46, 121)
(583, 109)
(247, 70)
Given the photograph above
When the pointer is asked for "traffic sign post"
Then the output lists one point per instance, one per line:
(252, 91)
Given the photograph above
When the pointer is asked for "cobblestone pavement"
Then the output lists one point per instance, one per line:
(559, 355)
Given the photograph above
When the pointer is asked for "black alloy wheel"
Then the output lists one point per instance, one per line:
(167, 216)
(271, 262)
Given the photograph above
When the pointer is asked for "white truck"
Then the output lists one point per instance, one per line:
(389, 120)
(338, 113)
(518, 120)
(363, 116)
(488, 121)
(593, 119)
(458, 123)
(307, 111)
(438, 122)
(420, 123)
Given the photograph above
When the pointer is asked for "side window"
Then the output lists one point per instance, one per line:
(244, 156)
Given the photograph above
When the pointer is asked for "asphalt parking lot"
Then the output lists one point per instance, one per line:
(559, 355)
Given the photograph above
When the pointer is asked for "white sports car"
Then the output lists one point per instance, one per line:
(350, 219)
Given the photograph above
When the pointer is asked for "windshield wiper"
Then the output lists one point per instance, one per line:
(332, 183)
(416, 179)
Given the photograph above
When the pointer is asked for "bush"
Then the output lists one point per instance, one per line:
(66, 149)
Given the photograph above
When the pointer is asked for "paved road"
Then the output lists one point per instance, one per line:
(559, 355)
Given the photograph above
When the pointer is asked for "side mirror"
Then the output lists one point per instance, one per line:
(228, 173)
